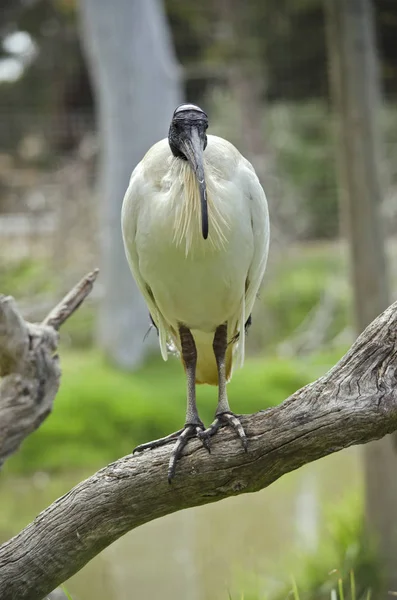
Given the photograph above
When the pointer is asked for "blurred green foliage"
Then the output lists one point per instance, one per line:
(344, 566)
(25, 278)
(79, 332)
(285, 37)
(297, 287)
(30, 278)
(101, 413)
(346, 548)
(290, 292)
(299, 144)
(301, 136)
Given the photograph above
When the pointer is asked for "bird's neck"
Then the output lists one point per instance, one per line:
(186, 206)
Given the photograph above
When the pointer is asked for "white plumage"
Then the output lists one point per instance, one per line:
(196, 233)
(184, 278)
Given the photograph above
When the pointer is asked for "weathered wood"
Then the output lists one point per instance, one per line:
(71, 301)
(354, 403)
(29, 367)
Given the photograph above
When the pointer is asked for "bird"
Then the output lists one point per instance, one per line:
(195, 227)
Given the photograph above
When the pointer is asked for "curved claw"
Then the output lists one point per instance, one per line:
(238, 428)
(180, 438)
(157, 443)
(204, 440)
(183, 439)
(222, 420)
(189, 431)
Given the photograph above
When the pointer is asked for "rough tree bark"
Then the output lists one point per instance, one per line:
(356, 92)
(29, 367)
(137, 82)
(354, 403)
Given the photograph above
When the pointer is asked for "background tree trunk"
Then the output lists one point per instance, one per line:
(138, 85)
(356, 91)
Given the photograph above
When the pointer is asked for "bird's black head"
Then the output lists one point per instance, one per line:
(186, 117)
(188, 140)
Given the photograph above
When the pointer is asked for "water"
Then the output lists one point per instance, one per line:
(200, 553)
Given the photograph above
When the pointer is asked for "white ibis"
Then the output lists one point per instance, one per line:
(196, 234)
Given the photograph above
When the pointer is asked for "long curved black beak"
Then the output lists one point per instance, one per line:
(193, 148)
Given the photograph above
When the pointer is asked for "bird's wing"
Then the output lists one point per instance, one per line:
(261, 234)
(131, 203)
(256, 200)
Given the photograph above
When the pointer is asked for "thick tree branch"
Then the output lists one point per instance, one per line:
(354, 403)
(29, 368)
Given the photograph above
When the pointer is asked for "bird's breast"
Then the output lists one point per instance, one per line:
(195, 281)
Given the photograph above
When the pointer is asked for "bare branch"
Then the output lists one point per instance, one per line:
(71, 301)
(29, 366)
(354, 403)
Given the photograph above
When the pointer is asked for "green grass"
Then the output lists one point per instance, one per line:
(101, 413)
(65, 591)
(345, 565)
(346, 562)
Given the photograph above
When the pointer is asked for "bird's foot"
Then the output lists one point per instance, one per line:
(157, 443)
(181, 438)
(226, 419)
